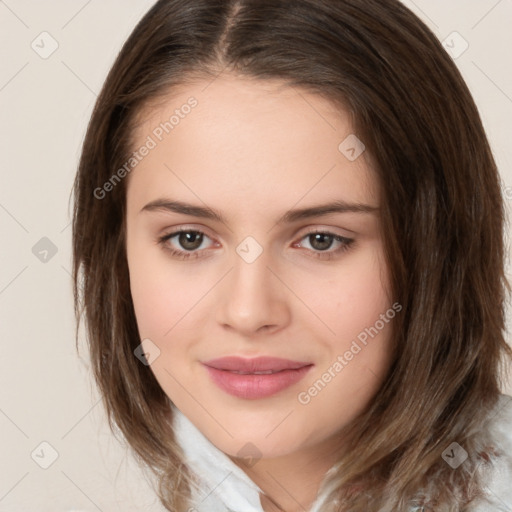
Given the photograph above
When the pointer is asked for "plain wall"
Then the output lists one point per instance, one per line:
(46, 390)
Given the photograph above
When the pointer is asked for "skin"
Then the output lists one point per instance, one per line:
(254, 150)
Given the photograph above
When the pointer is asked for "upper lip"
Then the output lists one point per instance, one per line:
(255, 364)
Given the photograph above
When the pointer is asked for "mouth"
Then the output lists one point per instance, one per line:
(255, 378)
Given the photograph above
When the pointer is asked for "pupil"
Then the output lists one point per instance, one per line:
(321, 238)
(189, 240)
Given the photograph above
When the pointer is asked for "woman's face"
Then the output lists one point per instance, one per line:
(245, 170)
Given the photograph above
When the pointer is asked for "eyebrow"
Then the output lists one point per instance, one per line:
(290, 216)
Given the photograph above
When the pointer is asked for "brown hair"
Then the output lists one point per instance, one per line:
(442, 221)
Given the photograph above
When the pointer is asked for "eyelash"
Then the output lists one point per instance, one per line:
(322, 255)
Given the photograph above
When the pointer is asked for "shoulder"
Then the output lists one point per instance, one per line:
(500, 422)
(498, 475)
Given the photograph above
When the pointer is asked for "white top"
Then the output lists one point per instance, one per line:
(227, 488)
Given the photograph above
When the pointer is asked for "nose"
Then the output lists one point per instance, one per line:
(253, 299)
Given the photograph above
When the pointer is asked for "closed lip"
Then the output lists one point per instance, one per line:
(255, 364)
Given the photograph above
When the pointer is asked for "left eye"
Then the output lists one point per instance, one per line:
(190, 242)
(321, 241)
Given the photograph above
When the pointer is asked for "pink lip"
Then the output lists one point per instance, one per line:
(251, 385)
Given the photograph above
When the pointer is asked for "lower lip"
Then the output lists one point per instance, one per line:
(254, 386)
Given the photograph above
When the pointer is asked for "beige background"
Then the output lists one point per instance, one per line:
(46, 393)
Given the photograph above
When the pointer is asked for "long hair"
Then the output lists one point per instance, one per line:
(442, 222)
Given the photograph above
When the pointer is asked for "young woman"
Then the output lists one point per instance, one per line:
(288, 250)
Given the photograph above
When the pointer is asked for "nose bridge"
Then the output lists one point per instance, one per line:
(251, 277)
(251, 269)
(253, 297)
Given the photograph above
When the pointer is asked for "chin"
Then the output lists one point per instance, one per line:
(267, 440)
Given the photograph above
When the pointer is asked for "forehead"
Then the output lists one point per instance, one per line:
(260, 140)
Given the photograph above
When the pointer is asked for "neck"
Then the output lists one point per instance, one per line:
(291, 482)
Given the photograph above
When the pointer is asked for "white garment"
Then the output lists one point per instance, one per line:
(227, 488)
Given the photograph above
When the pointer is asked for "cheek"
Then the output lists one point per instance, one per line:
(353, 299)
(155, 293)
(162, 302)
(159, 302)
(169, 298)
